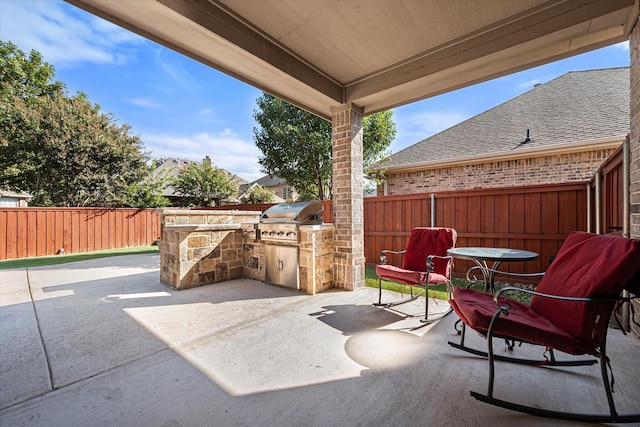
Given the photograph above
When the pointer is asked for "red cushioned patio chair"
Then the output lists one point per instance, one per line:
(569, 312)
(424, 263)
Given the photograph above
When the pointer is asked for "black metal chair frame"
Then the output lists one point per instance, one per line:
(425, 286)
(600, 354)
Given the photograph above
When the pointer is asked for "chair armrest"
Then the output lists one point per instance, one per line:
(383, 257)
(431, 257)
(559, 297)
(431, 265)
(504, 309)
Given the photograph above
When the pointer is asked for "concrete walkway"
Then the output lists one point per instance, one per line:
(104, 343)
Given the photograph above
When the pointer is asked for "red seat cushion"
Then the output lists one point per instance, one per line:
(408, 277)
(476, 308)
(425, 241)
(587, 266)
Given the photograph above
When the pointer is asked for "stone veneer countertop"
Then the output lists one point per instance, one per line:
(206, 212)
(203, 227)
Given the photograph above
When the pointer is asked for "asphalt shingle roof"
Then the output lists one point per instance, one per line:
(577, 106)
(269, 181)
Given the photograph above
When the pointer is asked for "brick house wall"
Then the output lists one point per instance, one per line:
(550, 169)
(284, 191)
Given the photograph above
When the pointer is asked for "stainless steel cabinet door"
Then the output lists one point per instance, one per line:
(282, 265)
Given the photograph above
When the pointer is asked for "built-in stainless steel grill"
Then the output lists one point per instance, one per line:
(280, 222)
(279, 231)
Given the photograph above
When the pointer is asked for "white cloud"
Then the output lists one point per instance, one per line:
(207, 112)
(145, 102)
(226, 149)
(63, 34)
(176, 70)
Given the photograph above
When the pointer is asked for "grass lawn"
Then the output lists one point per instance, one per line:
(371, 280)
(62, 259)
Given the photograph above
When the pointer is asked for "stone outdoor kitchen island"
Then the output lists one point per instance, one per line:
(203, 247)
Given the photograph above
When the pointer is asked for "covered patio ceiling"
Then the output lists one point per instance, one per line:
(374, 54)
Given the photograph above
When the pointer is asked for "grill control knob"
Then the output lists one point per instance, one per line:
(280, 233)
(291, 233)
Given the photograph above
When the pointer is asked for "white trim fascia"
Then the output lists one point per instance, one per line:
(633, 20)
(555, 149)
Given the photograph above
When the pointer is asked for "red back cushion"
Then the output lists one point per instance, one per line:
(425, 241)
(587, 266)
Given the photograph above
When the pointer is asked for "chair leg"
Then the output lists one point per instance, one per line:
(516, 360)
(613, 416)
(412, 297)
(490, 356)
(426, 304)
(426, 309)
(605, 376)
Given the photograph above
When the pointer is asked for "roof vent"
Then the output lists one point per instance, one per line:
(526, 141)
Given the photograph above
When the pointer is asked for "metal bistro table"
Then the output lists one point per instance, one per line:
(482, 256)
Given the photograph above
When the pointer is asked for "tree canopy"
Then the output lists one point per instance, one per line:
(258, 194)
(61, 149)
(26, 77)
(204, 185)
(296, 145)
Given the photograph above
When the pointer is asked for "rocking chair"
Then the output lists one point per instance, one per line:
(424, 263)
(569, 312)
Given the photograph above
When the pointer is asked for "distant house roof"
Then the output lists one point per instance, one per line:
(247, 187)
(266, 182)
(10, 198)
(269, 181)
(170, 167)
(15, 194)
(577, 106)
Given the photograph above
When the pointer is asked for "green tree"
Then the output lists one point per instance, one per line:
(60, 149)
(296, 145)
(26, 77)
(259, 194)
(145, 194)
(204, 185)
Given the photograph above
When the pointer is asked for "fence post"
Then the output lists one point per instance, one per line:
(433, 210)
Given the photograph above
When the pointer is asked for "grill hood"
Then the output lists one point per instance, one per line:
(298, 213)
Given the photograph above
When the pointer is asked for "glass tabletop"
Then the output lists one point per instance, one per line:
(492, 254)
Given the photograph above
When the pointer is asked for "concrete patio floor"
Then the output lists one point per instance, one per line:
(104, 343)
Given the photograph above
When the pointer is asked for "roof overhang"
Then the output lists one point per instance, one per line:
(522, 153)
(375, 54)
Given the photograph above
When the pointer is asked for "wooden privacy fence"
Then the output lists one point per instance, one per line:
(29, 232)
(536, 218)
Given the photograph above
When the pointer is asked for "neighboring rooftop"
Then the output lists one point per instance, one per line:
(171, 166)
(269, 181)
(17, 194)
(577, 106)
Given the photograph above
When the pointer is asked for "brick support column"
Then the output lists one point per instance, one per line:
(348, 185)
(634, 146)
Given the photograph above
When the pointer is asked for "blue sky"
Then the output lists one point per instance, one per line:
(181, 108)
